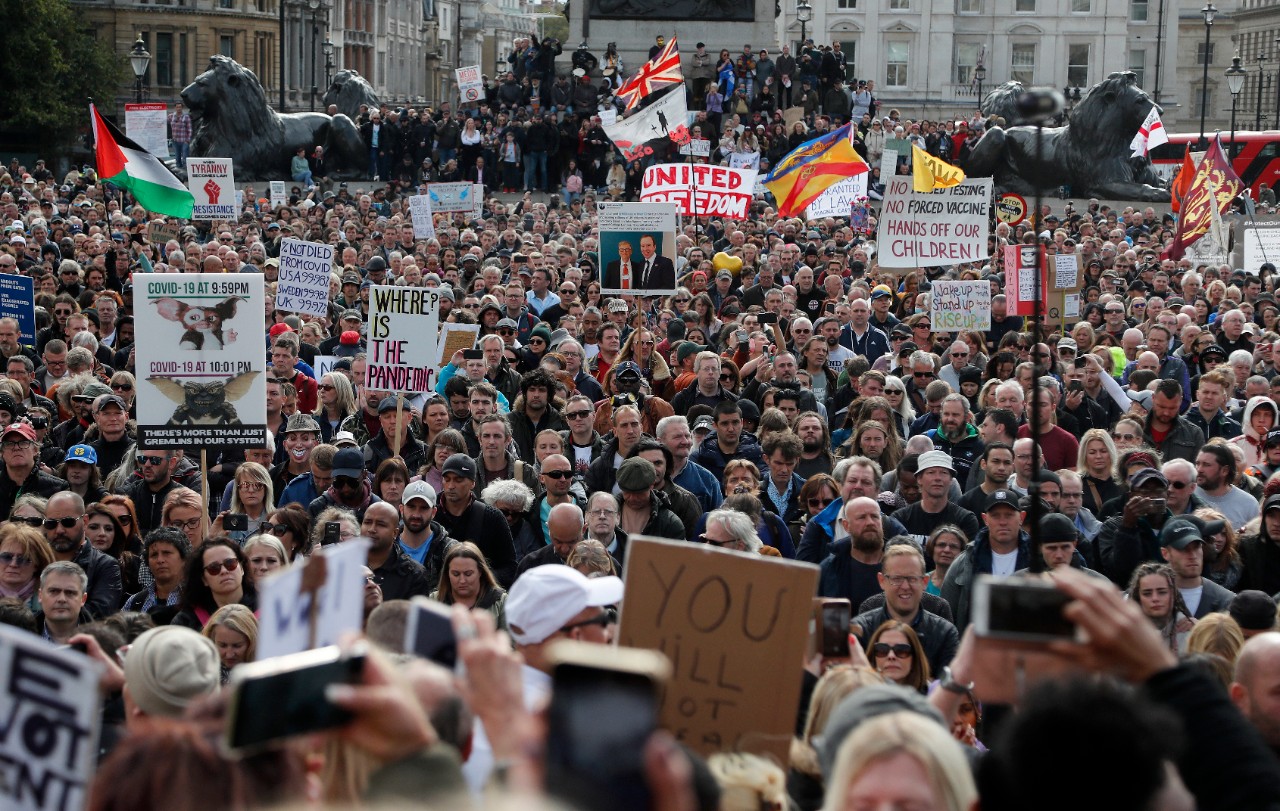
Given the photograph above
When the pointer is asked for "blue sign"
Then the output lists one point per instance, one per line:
(18, 300)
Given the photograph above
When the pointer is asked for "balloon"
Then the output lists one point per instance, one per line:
(723, 261)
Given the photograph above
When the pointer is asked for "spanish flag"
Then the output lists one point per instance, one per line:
(933, 173)
(811, 168)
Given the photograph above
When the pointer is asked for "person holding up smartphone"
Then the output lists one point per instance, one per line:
(1133, 537)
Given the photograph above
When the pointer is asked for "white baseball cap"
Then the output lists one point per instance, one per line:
(545, 598)
(419, 489)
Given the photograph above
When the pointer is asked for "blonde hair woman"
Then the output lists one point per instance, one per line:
(234, 630)
(253, 496)
(805, 780)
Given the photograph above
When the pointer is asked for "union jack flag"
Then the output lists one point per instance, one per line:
(662, 70)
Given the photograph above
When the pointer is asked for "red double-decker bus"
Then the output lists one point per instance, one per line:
(1256, 161)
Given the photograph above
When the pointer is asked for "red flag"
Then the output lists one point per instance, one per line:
(1214, 186)
(1178, 189)
(662, 70)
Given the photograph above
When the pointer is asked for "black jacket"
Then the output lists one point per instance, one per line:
(106, 592)
(377, 451)
(938, 637)
(486, 528)
(147, 504)
(663, 523)
(42, 484)
(401, 577)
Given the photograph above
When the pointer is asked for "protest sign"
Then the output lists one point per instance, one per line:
(608, 117)
(1260, 242)
(18, 301)
(303, 285)
(477, 200)
(449, 197)
(838, 199)
(717, 615)
(324, 365)
(211, 182)
(456, 337)
(200, 360)
(697, 147)
(901, 148)
(285, 604)
(420, 209)
(941, 227)
(745, 160)
(158, 233)
(49, 736)
(956, 306)
(1020, 267)
(277, 194)
(792, 116)
(470, 84)
(888, 163)
(700, 190)
(404, 332)
(1066, 271)
(147, 125)
(637, 248)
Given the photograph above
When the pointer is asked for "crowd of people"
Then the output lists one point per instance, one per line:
(794, 404)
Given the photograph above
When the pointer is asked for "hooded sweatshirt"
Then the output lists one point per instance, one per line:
(1250, 441)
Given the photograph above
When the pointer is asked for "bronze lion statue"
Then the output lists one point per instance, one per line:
(231, 119)
(1090, 154)
(348, 91)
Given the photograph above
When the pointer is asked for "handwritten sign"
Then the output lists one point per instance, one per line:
(18, 301)
(211, 182)
(1020, 267)
(838, 199)
(745, 160)
(404, 328)
(700, 190)
(960, 305)
(285, 605)
(888, 164)
(1066, 271)
(1261, 244)
(147, 125)
(324, 365)
(718, 615)
(698, 148)
(420, 209)
(927, 229)
(49, 734)
(303, 285)
(158, 233)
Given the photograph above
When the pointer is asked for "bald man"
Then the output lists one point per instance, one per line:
(566, 525)
(851, 570)
(1256, 689)
(399, 576)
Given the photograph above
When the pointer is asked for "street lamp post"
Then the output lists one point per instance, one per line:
(1257, 119)
(327, 47)
(1235, 83)
(1208, 12)
(980, 75)
(139, 60)
(804, 13)
(314, 5)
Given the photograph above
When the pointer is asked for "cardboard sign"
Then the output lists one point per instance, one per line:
(735, 627)
(49, 734)
(1066, 271)
(956, 306)
(18, 300)
(470, 84)
(456, 337)
(404, 333)
(277, 194)
(637, 248)
(699, 190)
(928, 229)
(303, 284)
(284, 625)
(888, 164)
(447, 197)
(200, 360)
(420, 209)
(158, 233)
(838, 199)
(147, 125)
(211, 182)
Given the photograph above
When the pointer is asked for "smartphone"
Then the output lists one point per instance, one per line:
(833, 621)
(284, 696)
(743, 335)
(1157, 506)
(235, 522)
(604, 706)
(765, 319)
(1081, 363)
(332, 533)
(428, 632)
(1021, 609)
(1075, 386)
(830, 308)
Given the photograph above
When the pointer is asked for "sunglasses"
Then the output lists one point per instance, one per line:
(67, 523)
(326, 387)
(31, 521)
(923, 375)
(820, 502)
(345, 481)
(506, 332)
(1125, 437)
(7, 558)
(558, 474)
(274, 529)
(901, 650)
(603, 619)
(122, 386)
(1181, 485)
(148, 460)
(712, 542)
(230, 565)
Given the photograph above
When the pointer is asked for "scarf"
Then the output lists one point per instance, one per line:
(23, 594)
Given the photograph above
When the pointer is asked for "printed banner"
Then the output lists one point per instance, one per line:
(212, 183)
(699, 190)
(927, 229)
(52, 711)
(147, 125)
(448, 197)
(200, 360)
(1020, 265)
(1261, 243)
(303, 285)
(838, 199)
(404, 335)
(277, 194)
(420, 209)
(18, 301)
(638, 248)
(285, 607)
(470, 84)
(956, 306)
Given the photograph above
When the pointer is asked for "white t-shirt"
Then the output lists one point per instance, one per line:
(1192, 598)
(1004, 565)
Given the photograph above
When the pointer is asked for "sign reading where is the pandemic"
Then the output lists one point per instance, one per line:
(200, 360)
(404, 331)
(941, 227)
(212, 183)
(303, 285)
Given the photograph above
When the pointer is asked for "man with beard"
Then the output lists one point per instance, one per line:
(398, 576)
(1000, 549)
(996, 465)
(533, 412)
(1216, 469)
(934, 472)
(815, 441)
(850, 570)
(154, 483)
(64, 530)
(956, 436)
(729, 441)
(422, 539)
(466, 517)
(1166, 430)
(809, 297)
(837, 354)
(861, 336)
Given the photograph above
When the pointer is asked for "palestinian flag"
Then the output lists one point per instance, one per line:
(123, 163)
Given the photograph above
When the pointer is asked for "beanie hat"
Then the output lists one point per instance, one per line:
(168, 667)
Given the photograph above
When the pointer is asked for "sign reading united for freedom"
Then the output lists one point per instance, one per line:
(200, 360)
(638, 248)
(700, 190)
(303, 285)
(48, 724)
(212, 184)
(404, 329)
(941, 227)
